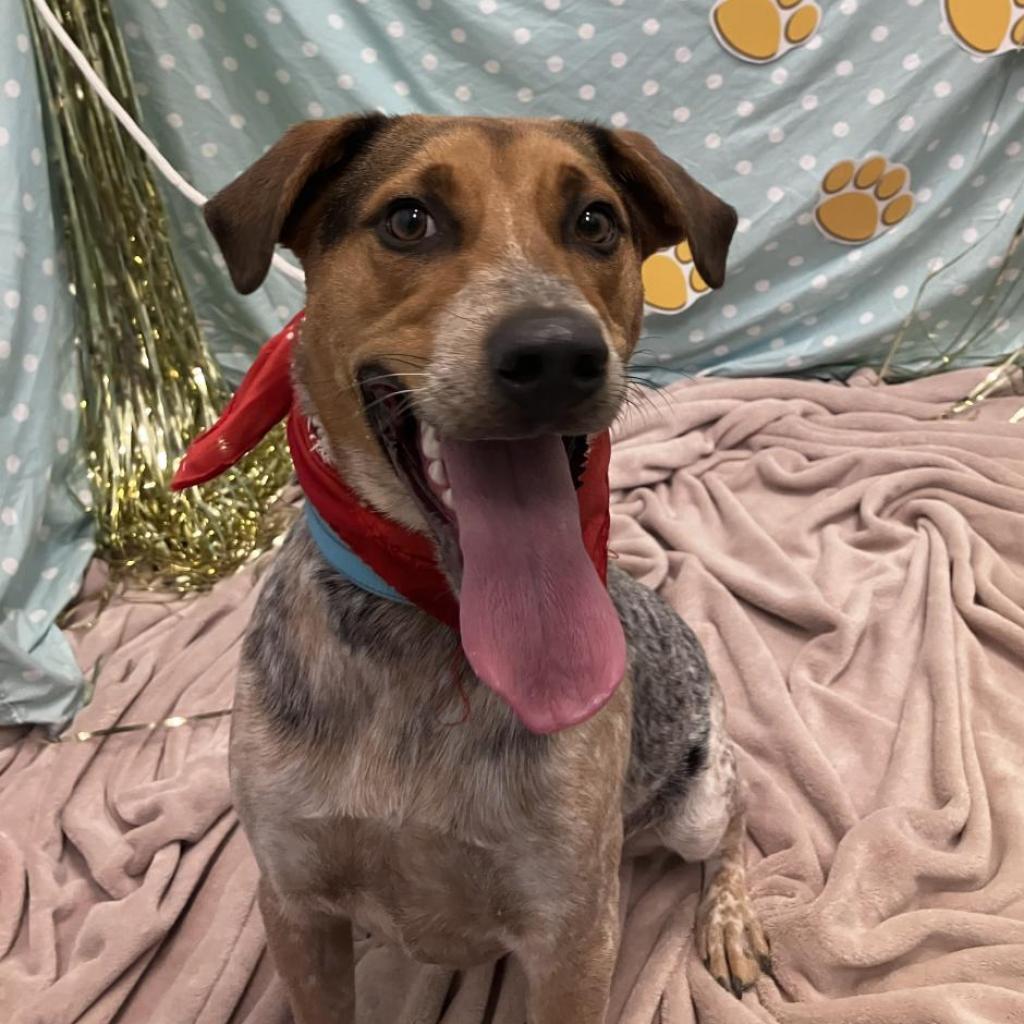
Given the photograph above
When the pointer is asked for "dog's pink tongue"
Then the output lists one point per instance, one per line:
(538, 626)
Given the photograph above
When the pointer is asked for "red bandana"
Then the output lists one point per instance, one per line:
(403, 558)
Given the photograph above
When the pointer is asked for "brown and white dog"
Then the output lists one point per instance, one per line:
(474, 290)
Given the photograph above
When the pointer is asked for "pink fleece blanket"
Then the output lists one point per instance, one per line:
(854, 565)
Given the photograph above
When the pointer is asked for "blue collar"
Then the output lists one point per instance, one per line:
(340, 557)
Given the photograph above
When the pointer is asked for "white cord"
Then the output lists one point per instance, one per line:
(161, 162)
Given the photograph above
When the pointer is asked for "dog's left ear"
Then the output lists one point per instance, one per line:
(264, 205)
(667, 204)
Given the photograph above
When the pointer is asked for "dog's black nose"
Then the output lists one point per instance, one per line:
(547, 360)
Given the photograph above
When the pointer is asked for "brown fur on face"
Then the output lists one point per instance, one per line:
(505, 195)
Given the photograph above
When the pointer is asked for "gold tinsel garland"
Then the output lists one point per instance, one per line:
(149, 383)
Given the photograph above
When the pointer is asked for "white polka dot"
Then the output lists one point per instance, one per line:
(651, 26)
(424, 5)
(368, 55)
(195, 31)
(230, 64)
(552, 5)
(12, 88)
(808, 162)
(900, 292)
(942, 89)
(979, 181)
(696, 337)
(39, 314)
(336, 21)
(714, 81)
(744, 108)
(555, 64)
(13, 463)
(463, 93)
(284, 77)
(522, 36)
(754, 331)
(5, 348)
(786, 308)
(795, 261)
(820, 282)
(396, 29)
(911, 62)
(1004, 205)
(762, 286)
(524, 95)
(866, 318)
(776, 194)
(12, 299)
(22, 42)
(848, 6)
(744, 167)
(251, 41)
(1013, 149)
(776, 343)
(166, 61)
(28, 201)
(793, 362)
(586, 92)
(37, 615)
(314, 109)
(970, 236)
(5, 136)
(713, 141)
(729, 312)
(875, 97)
(829, 341)
(487, 6)
(9, 566)
(804, 218)
(743, 225)
(429, 61)
(492, 67)
(779, 76)
(809, 102)
(208, 149)
(310, 49)
(619, 59)
(400, 87)
(273, 15)
(956, 162)
(619, 119)
(844, 68)
(814, 44)
(681, 114)
(935, 264)
(203, 92)
(684, 55)
(8, 517)
(776, 134)
(879, 34)
(237, 121)
(840, 129)
(20, 412)
(650, 87)
(36, 156)
(585, 31)
(960, 290)
(262, 96)
(30, 363)
(906, 124)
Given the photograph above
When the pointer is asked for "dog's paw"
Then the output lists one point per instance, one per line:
(859, 203)
(986, 27)
(763, 30)
(730, 939)
(671, 282)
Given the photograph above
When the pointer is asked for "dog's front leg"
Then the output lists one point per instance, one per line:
(313, 957)
(569, 981)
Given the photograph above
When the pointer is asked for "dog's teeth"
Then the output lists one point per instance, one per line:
(429, 442)
(436, 473)
(446, 497)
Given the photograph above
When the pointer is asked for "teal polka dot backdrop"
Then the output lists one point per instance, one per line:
(873, 148)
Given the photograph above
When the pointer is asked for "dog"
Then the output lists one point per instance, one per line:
(474, 294)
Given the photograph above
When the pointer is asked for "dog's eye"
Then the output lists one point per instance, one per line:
(597, 227)
(409, 222)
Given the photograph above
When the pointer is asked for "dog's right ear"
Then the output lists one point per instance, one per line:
(264, 205)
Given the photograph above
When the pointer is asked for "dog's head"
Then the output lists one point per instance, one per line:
(474, 294)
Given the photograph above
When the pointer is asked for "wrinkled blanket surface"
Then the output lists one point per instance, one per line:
(854, 565)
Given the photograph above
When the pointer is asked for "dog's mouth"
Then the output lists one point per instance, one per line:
(537, 624)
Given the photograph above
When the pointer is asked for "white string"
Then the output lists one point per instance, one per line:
(163, 165)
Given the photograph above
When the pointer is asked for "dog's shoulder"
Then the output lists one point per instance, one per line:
(672, 686)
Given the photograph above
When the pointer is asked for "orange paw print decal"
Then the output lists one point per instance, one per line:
(986, 27)
(763, 30)
(671, 282)
(860, 203)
